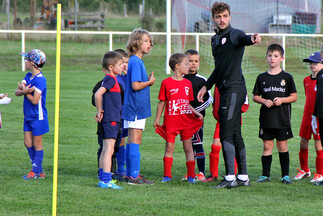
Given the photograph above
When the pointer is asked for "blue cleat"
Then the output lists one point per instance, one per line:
(166, 179)
(111, 184)
(286, 180)
(191, 180)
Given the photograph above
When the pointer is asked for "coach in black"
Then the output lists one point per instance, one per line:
(227, 49)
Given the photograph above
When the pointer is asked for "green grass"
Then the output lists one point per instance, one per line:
(78, 193)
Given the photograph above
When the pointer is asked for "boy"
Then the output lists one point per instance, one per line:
(315, 62)
(121, 153)
(99, 129)
(275, 90)
(34, 89)
(175, 95)
(108, 104)
(318, 114)
(136, 108)
(197, 83)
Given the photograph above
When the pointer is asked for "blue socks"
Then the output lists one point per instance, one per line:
(106, 177)
(37, 162)
(121, 160)
(31, 153)
(133, 160)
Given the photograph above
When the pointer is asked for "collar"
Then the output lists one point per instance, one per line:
(224, 31)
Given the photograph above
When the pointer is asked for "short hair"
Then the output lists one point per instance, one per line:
(219, 7)
(191, 52)
(121, 52)
(135, 40)
(175, 59)
(110, 58)
(275, 47)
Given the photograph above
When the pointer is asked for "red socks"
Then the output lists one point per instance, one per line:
(319, 162)
(168, 162)
(190, 168)
(214, 160)
(303, 159)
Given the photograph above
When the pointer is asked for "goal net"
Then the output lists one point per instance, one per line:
(291, 23)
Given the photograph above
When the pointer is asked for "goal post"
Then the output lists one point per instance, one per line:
(291, 23)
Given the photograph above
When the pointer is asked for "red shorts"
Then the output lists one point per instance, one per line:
(217, 131)
(169, 136)
(306, 132)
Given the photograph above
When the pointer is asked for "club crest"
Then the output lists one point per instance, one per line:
(282, 83)
(187, 90)
(223, 40)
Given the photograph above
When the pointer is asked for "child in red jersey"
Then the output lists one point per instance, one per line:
(306, 131)
(175, 95)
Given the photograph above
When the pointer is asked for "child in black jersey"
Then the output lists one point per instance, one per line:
(275, 90)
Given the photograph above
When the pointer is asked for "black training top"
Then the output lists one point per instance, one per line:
(318, 109)
(268, 87)
(197, 83)
(227, 49)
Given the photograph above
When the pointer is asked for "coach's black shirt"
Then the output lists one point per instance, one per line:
(318, 110)
(268, 87)
(227, 49)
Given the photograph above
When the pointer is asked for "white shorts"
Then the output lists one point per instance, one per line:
(136, 124)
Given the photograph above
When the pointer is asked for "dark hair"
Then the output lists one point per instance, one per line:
(121, 52)
(175, 59)
(191, 52)
(275, 47)
(135, 40)
(110, 58)
(219, 7)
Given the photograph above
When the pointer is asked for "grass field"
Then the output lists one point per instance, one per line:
(78, 193)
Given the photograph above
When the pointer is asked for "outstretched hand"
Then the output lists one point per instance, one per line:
(256, 38)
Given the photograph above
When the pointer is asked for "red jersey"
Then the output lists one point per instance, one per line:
(216, 104)
(310, 93)
(178, 114)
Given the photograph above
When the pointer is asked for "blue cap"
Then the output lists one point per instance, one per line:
(37, 57)
(315, 57)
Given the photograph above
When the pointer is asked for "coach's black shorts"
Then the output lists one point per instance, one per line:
(274, 133)
(110, 129)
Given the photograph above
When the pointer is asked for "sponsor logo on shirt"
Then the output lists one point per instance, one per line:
(173, 91)
(179, 106)
(274, 89)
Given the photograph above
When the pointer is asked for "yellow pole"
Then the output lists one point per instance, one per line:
(58, 74)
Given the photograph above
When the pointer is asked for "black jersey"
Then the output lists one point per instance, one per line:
(268, 87)
(198, 82)
(227, 49)
(318, 110)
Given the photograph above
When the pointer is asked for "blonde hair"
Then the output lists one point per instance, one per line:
(135, 40)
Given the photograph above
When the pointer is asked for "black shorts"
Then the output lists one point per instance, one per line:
(110, 129)
(274, 133)
(197, 138)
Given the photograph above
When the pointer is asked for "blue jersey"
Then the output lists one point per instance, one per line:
(111, 103)
(122, 80)
(38, 111)
(136, 103)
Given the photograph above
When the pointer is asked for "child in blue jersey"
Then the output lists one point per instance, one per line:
(136, 107)
(121, 153)
(108, 104)
(33, 87)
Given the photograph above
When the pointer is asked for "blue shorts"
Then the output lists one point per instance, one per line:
(37, 127)
(110, 129)
(124, 130)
